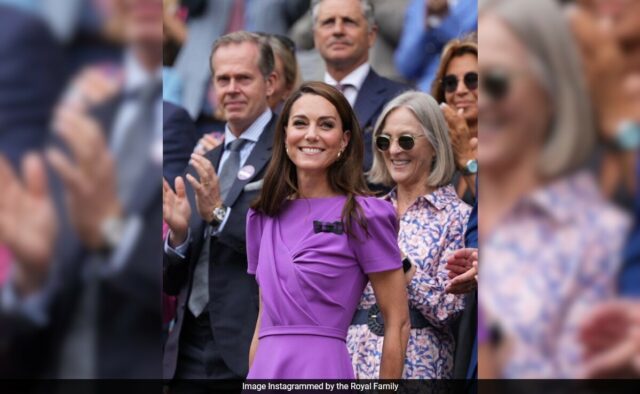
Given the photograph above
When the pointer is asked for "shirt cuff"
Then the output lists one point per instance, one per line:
(180, 250)
(31, 307)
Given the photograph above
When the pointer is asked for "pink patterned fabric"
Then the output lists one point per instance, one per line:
(553, 257)
(431, 229)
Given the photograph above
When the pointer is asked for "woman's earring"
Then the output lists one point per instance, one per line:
(339, 153)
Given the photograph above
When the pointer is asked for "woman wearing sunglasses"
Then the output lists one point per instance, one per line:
(412, 154)
(314, 240)
(550, 243)
(456, 85)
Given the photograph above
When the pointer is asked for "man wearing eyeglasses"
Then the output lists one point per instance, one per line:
(343, 32)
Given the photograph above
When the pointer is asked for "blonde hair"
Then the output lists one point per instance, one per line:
(428, 113)
(541, 27)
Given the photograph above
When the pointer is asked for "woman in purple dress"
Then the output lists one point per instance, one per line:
(314, 240)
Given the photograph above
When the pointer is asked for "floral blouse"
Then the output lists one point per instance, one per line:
(552, 257)
(430, 230)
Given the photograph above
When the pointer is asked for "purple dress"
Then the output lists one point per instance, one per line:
(311, 283)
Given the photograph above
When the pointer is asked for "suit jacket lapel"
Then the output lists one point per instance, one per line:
(257, 159)
(369, 99)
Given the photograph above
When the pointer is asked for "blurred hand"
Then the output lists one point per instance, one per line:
(176, 211)
(28, 223)
(207, 189)
(93, 86)
(463, 270)
(464, 147)
(89, 178)
(607, 66)
(206, 143)
(611, 339)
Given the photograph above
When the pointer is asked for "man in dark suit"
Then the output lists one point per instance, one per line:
(31, 73)
(179, 138)
(83, 300)
(343, 32)
(205, 262)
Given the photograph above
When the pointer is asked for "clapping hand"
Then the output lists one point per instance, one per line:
(28, 223)
(207, 188)
(463, 271)
(89, 176)
(176, 211)
(611, 339)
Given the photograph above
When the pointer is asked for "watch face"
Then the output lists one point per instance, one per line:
(472, 166)
(219, 213)
(629, 136)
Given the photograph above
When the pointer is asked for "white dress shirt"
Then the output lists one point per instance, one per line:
(352, 82)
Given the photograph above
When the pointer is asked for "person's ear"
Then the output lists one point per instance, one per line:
(270, 83)
(346, 137)
(372, 34)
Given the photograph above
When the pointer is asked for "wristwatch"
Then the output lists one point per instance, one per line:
(471, 167)
(627, 136)
(219, 213)
(112, 230)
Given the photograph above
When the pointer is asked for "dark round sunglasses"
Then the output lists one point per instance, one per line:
(496, 84)
(405, 141)
(450, 82)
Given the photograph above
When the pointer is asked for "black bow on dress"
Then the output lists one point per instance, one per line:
(321, 227)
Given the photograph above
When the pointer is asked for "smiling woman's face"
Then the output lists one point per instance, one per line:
(407, 167)
(512, 127)
(463, 97)
(314, 134)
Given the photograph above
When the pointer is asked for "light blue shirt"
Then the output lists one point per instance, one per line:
(418, 54)
(251, 134)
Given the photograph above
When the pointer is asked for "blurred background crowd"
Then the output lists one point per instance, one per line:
(100, 99)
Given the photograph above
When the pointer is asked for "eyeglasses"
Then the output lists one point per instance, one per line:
(496, 84)
(405, 141)
(450, 82)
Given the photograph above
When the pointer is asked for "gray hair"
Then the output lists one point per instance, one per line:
(555, 63)
(367, 11)
(428, 113)
(266, 61)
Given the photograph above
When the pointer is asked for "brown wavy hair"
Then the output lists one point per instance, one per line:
(345, 175)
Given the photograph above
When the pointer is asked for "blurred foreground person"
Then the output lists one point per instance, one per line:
(611, 338)
(608, 34)
(31, 72)
(551, 244)
(82, 299)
